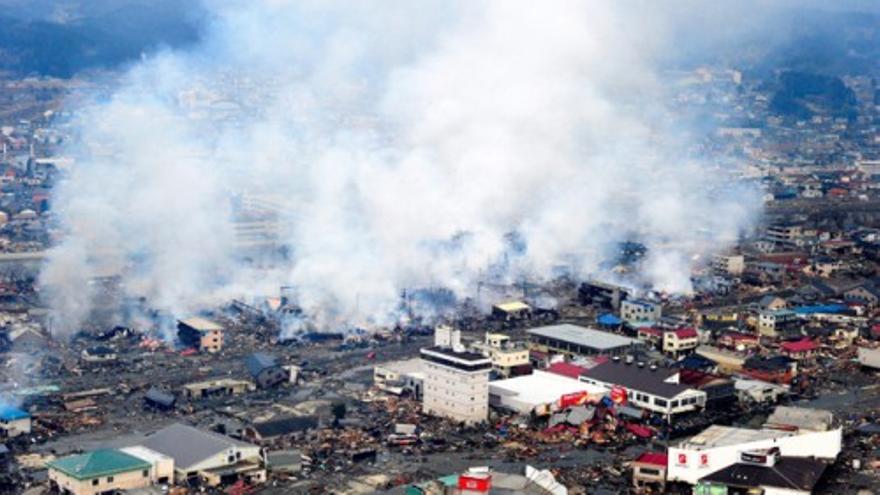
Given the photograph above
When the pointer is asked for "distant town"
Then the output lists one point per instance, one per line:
(761, 379)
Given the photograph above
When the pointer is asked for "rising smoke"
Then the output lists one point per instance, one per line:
(401, 145)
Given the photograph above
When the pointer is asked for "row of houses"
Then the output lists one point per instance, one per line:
(181, 455)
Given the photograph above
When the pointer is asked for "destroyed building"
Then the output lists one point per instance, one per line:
(201, 334)
(265, 370)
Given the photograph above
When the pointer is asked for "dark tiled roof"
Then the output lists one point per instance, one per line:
(637, 378)
(775, 363)
(794, 473)
(284, 426)
(259, 361)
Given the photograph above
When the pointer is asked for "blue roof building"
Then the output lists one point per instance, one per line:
(10, 413)
(608, 320)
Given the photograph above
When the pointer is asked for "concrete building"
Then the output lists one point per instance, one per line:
(397, 377)
(456, 381)
(653, 388)
(539, 392)
(729, 264)
(506, 355)
(602, 295)
(638, 311)
(785, 235)
(212, 458)
(673, 342)
(511, 311)
(107, 470)
(680, 340)
(201, 334)
(573, 340)
(14, 422)
(718, 447)
(778, 323)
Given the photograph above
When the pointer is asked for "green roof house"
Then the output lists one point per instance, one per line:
(100, 471)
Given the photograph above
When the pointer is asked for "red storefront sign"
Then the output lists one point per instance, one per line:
(475, 482)
(618, 395)
(573, 399)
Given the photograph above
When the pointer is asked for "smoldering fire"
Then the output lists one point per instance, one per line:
(400, 148)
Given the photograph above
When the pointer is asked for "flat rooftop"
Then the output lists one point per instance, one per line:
(405, 366)
(201, 324)
(541, 387)
(583, 336)
(725, 436)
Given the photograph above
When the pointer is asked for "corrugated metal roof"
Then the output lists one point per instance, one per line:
(583, 336)
(188, 445)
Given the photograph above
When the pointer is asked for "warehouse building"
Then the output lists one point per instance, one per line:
(538, 392)
(574, 340)
(804, 434)
(211, 458)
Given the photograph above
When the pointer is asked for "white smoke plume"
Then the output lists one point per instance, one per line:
(401, 144)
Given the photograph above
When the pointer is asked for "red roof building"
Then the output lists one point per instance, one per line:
(649, 469)
(567, 369)
(686, 333)
(653, 458)
(799, 349)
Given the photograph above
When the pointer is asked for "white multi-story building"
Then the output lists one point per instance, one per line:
(456, 381)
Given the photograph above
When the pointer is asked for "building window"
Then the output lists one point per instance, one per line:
(145, 473)
(95, 482)
(660, 402)
(675, 403)
(109, 479)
